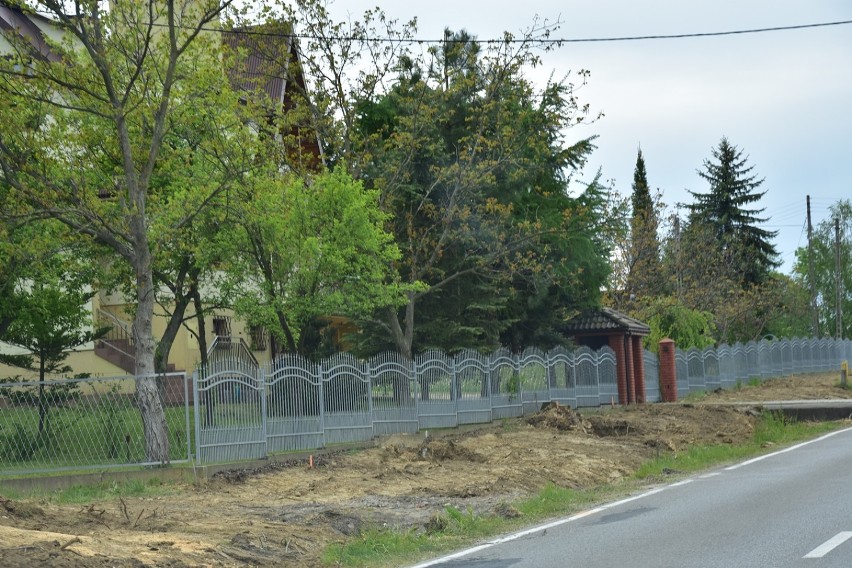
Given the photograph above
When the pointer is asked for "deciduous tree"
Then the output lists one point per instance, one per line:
(84, 132)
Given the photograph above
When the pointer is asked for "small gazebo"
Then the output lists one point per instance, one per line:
(595, 328)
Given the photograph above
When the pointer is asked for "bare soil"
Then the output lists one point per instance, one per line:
(287, 513)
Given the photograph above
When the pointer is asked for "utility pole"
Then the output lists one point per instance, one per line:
(679, 267)
(838, 281)
(811, 279)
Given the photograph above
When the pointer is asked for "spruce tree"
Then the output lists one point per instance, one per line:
(725, 211)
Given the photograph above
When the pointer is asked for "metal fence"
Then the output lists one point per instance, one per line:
(65, 424)
(725, 366)
(236, 408)
(245, 410)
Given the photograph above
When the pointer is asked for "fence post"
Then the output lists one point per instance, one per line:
(261, 380)
(639, 368)
(197, 413)
(668, 371)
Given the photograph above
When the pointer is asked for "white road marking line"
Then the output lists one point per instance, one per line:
(785, 450)
(829, 545)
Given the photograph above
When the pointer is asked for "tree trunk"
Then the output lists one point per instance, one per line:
(164, 347)
(154, 425)
(404, 338)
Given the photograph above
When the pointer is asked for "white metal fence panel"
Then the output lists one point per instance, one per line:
(294, 405)
(474, 386)
(534, 379)
(607, 376)
(394, 391)
(436, 403)
(347, 400)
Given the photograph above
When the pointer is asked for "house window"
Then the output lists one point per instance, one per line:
(258, 338)
(222, 327)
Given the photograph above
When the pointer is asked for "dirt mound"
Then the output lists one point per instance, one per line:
(559, 417)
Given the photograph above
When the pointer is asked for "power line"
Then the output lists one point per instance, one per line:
(549, 41)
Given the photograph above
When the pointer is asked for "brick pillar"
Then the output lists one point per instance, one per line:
(616, 342)
(639, 368)
(668, 371)
(628, 369)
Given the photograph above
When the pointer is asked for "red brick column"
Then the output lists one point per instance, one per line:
(616, 342)
(668, 371)
(639, 368)
(628, 369)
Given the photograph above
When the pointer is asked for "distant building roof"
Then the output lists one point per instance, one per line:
(26, 24)
(264, 60)
(603, 321)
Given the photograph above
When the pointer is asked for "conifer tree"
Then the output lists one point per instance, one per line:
(644, 269)
(725, 209)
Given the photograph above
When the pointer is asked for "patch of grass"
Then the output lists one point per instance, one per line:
(754, 382)
(83, 436)
(97, 492)
(455, 528)
(554, 500)
(388, 547)
(695, 396)
(377, 547)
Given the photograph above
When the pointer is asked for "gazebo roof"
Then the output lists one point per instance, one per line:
(604, 321)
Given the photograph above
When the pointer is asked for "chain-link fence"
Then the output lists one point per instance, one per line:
(64, 424)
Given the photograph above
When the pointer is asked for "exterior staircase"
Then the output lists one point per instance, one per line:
(117, 345)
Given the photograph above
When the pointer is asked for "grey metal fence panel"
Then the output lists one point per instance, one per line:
(798, 356)
(727, 375)
(695, 368)
(751, 349)
(607, 376)
(652, 377)
(347, 399)
(808, 351)
(712, 373)
(505, 381)
(586, 374)
(764, 359)
(473, 377)
(826, 352)
(741, 371)
(787, 357)
(682, 373)
(394, 394)
(776, 353)
(533, 372)
(294, 404)
(561, 379)
(230, 409)
(437, 392)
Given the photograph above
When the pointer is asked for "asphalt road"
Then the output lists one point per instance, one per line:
(791, 508)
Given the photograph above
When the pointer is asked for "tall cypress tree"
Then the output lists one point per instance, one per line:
(725, 211)
(644, 272)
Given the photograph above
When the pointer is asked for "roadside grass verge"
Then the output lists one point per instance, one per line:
(96, 492)
(455, 529)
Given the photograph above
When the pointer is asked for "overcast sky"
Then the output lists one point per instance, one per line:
(784, 97)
